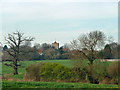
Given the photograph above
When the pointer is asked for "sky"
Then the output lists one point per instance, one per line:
(60, 20)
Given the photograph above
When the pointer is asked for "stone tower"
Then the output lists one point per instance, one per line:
(56, 45)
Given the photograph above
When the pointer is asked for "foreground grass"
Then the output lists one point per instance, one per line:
(16, 84)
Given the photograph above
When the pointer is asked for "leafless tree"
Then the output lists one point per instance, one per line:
(37, 46)
(87, 44)
(27, 43)
(14, 41)
(66, 45)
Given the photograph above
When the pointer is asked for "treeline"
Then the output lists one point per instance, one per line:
(86, 46)
(110, 51)
(38, 52)
(47, 52)
(99, 73)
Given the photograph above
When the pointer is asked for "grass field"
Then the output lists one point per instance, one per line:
(15, 84)
(21, 84)
(24, 64)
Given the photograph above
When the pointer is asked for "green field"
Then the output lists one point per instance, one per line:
(15, 84)
(21, 84)
(24, 64)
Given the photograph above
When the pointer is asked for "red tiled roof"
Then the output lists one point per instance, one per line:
(65, 49)
(40, 51)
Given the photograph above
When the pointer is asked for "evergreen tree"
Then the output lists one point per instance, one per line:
(5, 47)
(108, 52)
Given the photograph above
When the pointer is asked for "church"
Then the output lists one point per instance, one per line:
(56, 45)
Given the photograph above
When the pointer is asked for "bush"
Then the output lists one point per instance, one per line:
(49, 72)
(46, 71)
(81, 73)
(105, 72)
(99, 71)
(55, 71)
(113, 72)
(95, 73)
(32, 72)
(63, 73)
(81, 70)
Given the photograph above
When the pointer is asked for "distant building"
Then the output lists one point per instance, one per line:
(66, 49)
(40, 51)
(56, 45)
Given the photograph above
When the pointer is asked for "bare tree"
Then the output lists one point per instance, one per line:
(87, 44)
(27, 43)
(66, 45)
(37, 46)
(14, 41)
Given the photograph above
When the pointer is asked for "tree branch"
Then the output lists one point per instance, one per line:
(10, 53)
(8, 64)
(85, 55)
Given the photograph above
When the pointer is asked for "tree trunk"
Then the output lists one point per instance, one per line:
(15, 70)
(91, 62)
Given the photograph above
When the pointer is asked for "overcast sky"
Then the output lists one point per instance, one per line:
(60, 20)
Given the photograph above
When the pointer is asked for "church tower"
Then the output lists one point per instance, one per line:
(56, 45)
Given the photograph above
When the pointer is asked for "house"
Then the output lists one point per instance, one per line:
(66, 49)
(40, 51)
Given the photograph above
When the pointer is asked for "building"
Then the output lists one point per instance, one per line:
(40, 51)
(66, 49)
(56, 45)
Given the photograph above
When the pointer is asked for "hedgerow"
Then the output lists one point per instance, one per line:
(101, 72)
(48, 72)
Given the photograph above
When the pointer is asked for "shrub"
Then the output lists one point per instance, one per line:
(99, 71)
(94, 73)
(81, 70)
(32, 72)
(81, 73)
(55, 71)
(63, 73)
(48, 72)
(113, 72)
